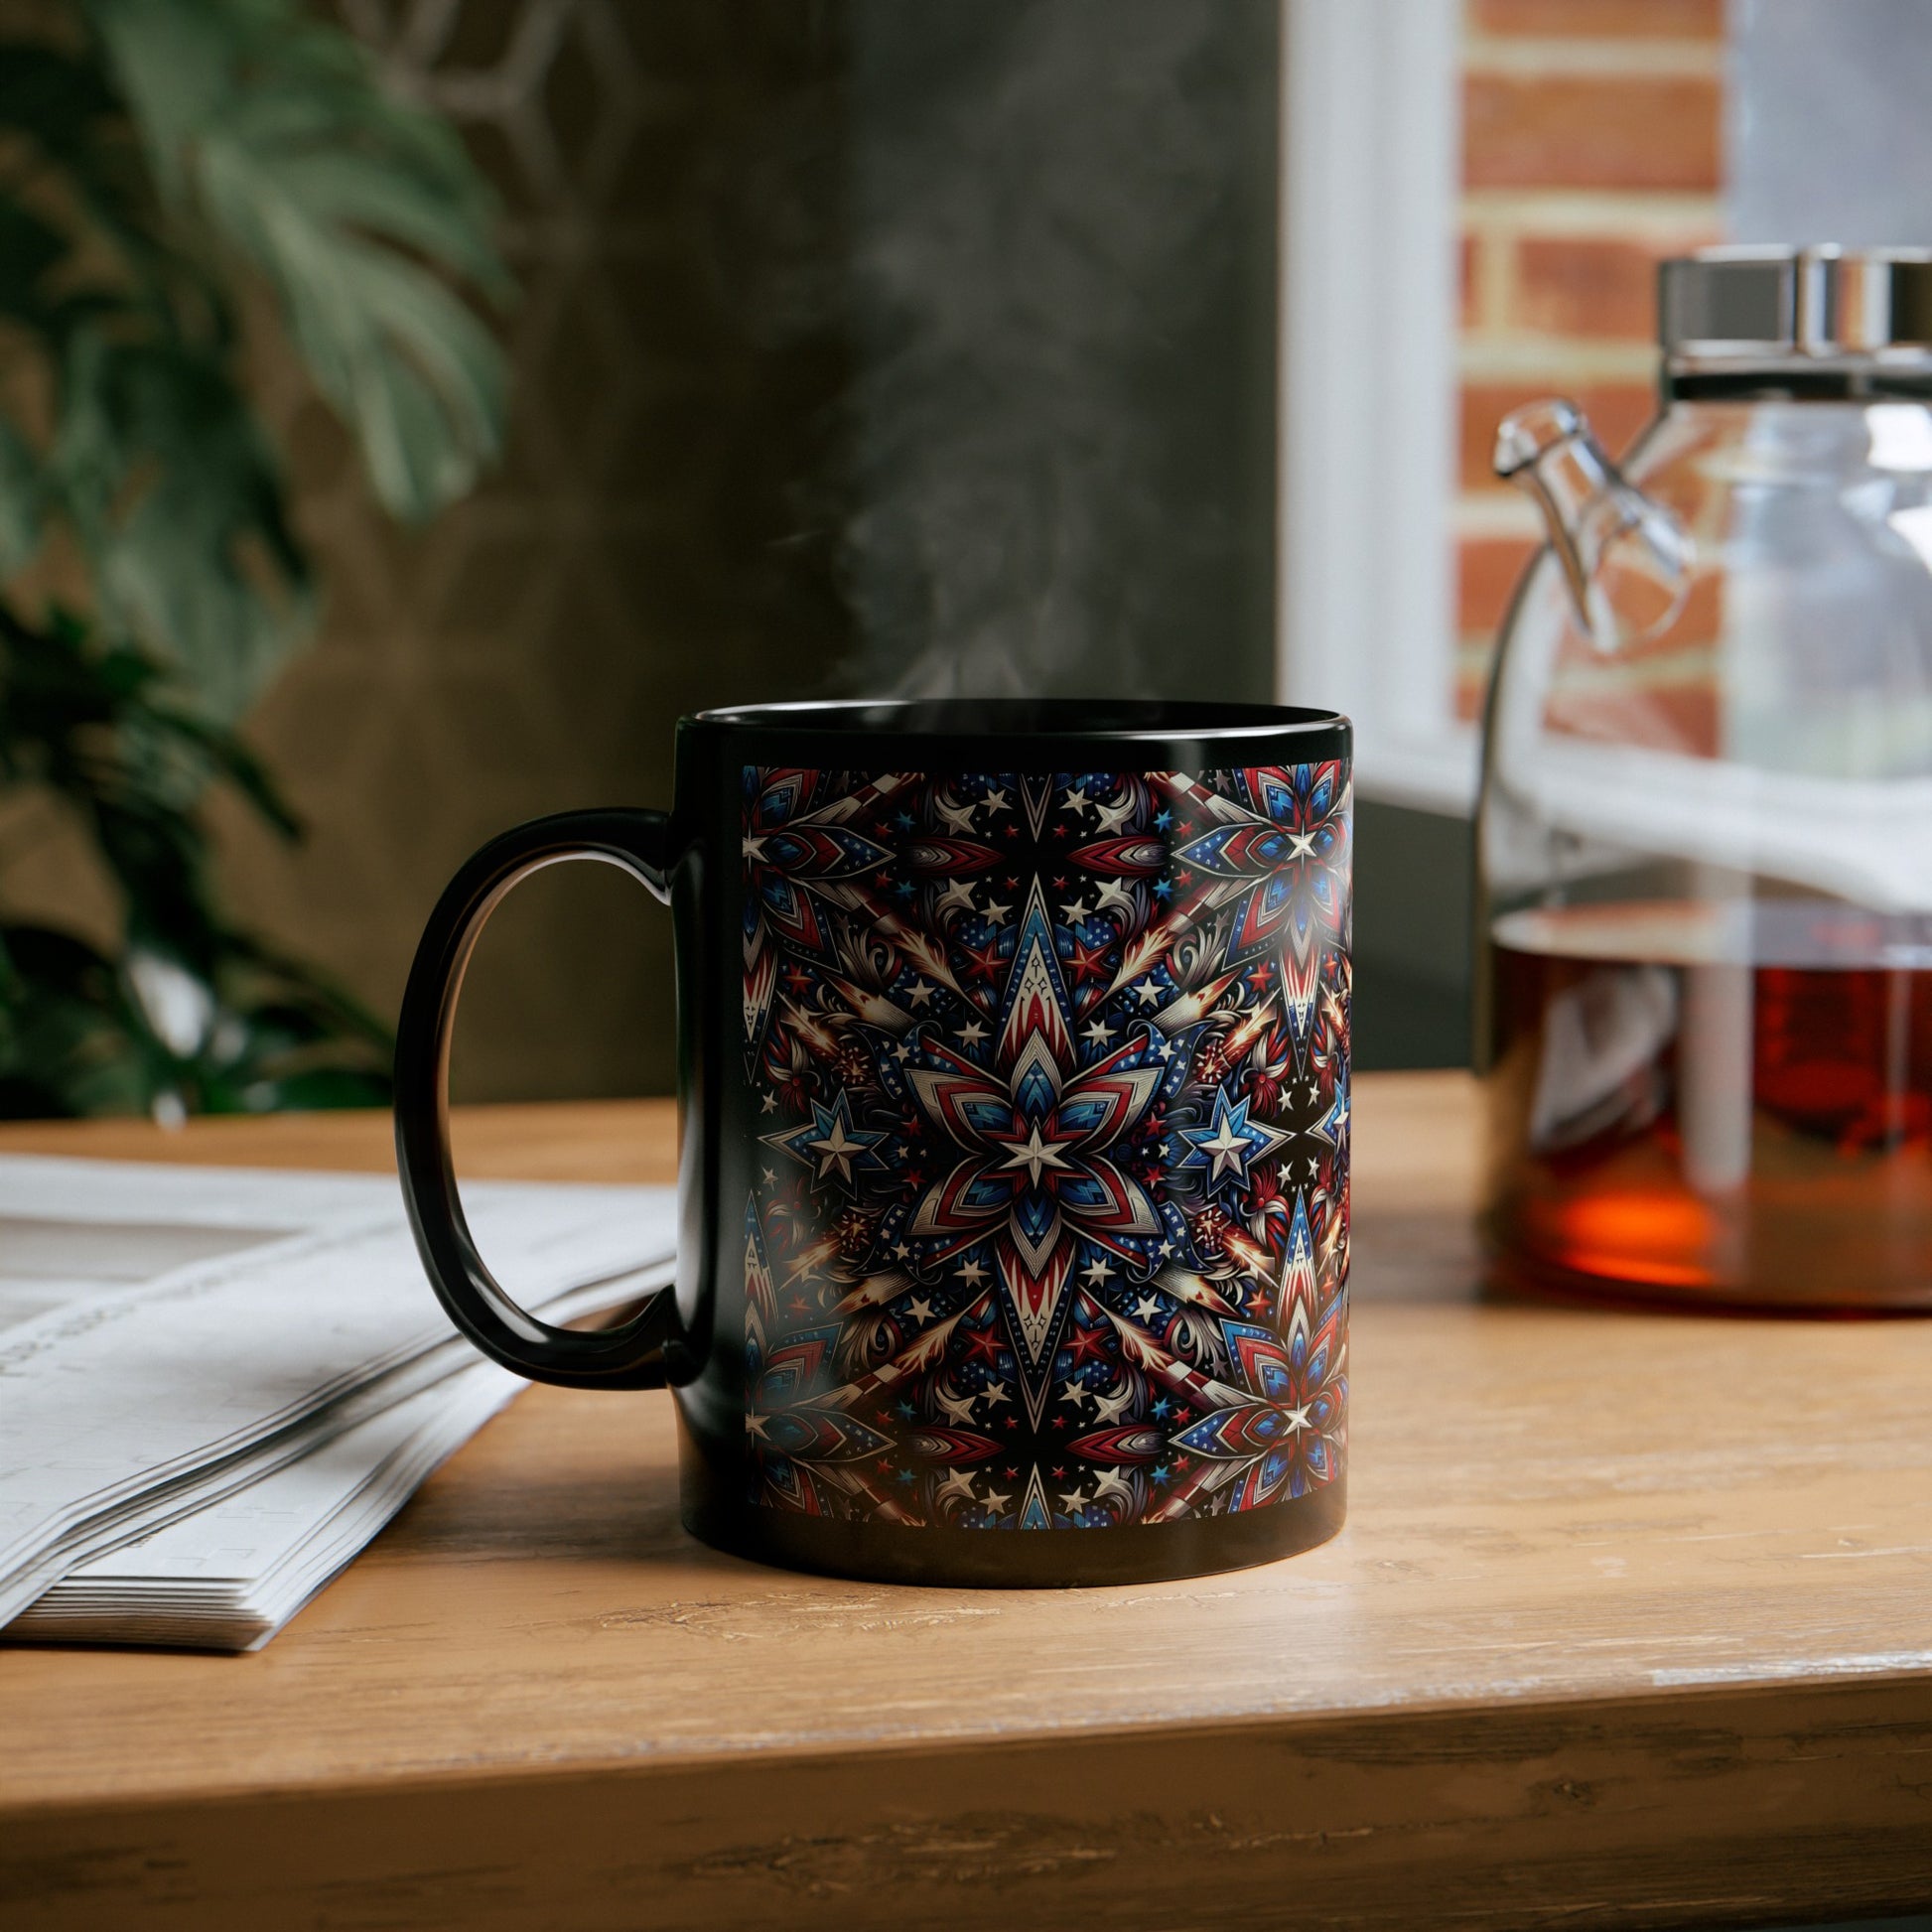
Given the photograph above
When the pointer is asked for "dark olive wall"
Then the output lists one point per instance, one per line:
(863, 345)
(1412, 937)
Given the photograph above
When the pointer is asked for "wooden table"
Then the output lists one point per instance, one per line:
(1631, 1624)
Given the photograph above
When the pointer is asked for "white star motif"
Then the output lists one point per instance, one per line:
(1230, 1149)
(958, 892)
(959, 817)
(919, 1309)
(1076, 799)
(901, 1252)
(971, 1273)
(971, 1033)
(770, 1178)
(994, 1394)
(770, 1104)
(1036, 1154)
(1072, 1392)
(1113, 818)
(752, 848)
(996, 1502)
(835, 1150)
(1073, 913)
(1166, 1249)
(1147, 1307)
(923, 991)
(995, 914)
(902, 1053)
(1096, 1271)
(995, 800)
(1165, 1051)
(1113, 892)
(1110, 1408)
(958, 1408)
(1099, 1032)
(1148, 993)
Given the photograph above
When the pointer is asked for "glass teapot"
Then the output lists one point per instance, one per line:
(1704, 837)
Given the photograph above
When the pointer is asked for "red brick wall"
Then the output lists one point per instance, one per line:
(1591, 148)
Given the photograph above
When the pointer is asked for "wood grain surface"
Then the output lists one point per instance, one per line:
(1630, 1625)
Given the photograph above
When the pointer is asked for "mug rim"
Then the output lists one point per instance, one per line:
(1040, 723)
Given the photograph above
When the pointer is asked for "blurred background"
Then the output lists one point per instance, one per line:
(840, 346)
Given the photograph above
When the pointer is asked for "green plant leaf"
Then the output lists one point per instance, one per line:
(226, 756)
(29, 247)
(278, 136)
(67, 1047)
(178, 504)
(64, 108)
(19, 501)
(54, 98)
(420, 377)
(48, 93)
(144, 162)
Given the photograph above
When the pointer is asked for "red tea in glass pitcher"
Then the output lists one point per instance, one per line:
(1730, 1104)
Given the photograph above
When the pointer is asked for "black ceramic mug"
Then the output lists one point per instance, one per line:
(1014, 1087)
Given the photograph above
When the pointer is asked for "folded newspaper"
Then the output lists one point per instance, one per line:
(216, 1385)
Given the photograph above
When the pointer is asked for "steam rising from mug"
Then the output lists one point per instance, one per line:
(1062, 420)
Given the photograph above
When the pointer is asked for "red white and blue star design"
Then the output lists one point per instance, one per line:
(1051, 1223)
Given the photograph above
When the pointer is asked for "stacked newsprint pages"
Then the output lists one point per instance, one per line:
(216, 1385)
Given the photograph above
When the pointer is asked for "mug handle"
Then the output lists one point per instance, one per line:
(631, 1356)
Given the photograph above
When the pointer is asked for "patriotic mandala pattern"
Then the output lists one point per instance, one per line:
(1051, 1223)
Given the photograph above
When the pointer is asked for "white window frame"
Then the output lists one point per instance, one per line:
(1371, 191)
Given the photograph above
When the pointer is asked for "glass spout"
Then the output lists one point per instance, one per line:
(1625, 558)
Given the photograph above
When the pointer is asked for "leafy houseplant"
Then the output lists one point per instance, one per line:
(157, 158)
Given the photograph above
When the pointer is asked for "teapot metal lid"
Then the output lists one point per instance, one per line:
(1784, 306)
